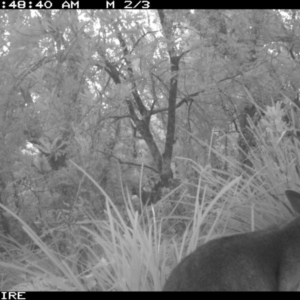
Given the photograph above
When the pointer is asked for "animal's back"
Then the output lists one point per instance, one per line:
(263, 260)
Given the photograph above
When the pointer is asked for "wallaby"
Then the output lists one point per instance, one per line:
(267, 260)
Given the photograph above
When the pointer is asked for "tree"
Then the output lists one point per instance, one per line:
(131, 89)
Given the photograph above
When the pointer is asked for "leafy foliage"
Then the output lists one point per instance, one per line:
(196, 112)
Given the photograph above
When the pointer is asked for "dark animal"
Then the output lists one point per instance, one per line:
(267, 260)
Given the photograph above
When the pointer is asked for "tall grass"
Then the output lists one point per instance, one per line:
(244, 198)
(131, 256)
(135, 251)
